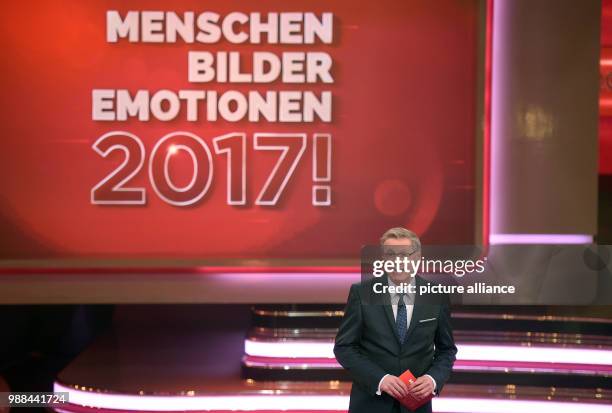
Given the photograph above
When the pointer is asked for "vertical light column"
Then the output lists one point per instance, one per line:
(545, 85)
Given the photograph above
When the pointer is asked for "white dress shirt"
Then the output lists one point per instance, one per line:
(409, 302)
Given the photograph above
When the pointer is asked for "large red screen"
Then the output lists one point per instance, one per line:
(396, 142)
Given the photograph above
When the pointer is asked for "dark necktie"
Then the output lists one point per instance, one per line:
(401, 323)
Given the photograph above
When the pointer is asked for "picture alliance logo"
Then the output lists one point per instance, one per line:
(423, 265)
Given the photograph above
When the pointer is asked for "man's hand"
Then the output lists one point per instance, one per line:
(422, 387)
(394, 387)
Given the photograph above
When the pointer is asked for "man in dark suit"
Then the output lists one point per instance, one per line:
(384, 334)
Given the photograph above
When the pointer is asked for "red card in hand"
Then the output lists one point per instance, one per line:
(411, 402)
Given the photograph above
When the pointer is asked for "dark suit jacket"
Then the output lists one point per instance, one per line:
(368, 346)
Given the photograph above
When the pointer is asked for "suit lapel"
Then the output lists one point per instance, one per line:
(386, 307)
(389, 315)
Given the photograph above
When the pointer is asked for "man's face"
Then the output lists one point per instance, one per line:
(400, 248)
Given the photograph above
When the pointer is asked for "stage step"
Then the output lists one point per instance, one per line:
(300, 397)
(526, 346)
(578, 320)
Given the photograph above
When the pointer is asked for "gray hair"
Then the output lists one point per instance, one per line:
(399, 232)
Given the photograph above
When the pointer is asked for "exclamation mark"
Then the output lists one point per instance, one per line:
(321, 169)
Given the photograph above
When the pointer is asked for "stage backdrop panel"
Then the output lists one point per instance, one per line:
(122, 124)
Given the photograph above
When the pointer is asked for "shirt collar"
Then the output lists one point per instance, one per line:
(395, 296)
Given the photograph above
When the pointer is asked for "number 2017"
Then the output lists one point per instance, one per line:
(114, 189)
